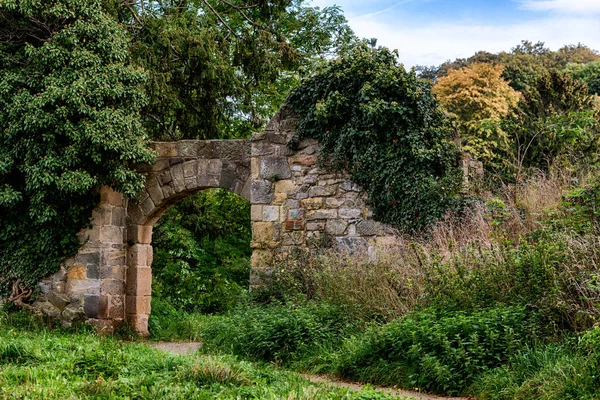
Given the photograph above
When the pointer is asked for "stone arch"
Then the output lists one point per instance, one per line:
(182, 168)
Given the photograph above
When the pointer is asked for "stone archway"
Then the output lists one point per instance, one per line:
(182, 168)
(296, 205)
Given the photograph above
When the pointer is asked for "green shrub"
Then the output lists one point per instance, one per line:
(437, 351)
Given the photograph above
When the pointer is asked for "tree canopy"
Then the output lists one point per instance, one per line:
(70, 102)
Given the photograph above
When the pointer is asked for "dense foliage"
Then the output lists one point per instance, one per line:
(70, 105)
(383, 125)
(202, 252)
(217, 68)
(478, 98)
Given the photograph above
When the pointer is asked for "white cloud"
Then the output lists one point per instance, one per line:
(564, 6)
(435, 42)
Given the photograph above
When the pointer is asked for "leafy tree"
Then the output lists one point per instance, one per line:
(383, 125)
(219, 68)
(70, 105)
(555, 119)
(478, 98)
(588, 73)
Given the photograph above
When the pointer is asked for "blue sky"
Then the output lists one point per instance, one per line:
(428, 32)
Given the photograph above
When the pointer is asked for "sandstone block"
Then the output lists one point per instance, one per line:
(261, 192)
(336, 227)
(321, 214)
(322, 191)
(165, 149)
(286, 186)
(77, 271)
(139, 324)
(111, 197)
(263, 231)
(256, 212)
(178, 178)
(275, 168)
(138, 304)
(139, 281)
(294, 225)
(187, 148)
(315, 226)
(270, 213)
(305, 160)
(314, 203)
(140, 234)
(261, 259)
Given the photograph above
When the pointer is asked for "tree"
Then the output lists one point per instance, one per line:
(588, 73)
(70, 103)
(383, 125)
(478, 98)
(220, 68)
(555, 119)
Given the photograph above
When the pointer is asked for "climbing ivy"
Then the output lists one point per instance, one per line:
(69, 122)
(384, 126)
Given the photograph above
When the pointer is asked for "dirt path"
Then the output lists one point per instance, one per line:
(186, 348)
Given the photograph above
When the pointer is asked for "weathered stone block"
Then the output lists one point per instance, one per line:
(322, 191)
(91, 305)
(139, 281)
(112, 287)
(275, 168)
(256, 212)
(368, 228)
(178, 178)
(73, 312)
(206, 149)
(263, 231)
(116, 307)
(111, 234)
(187, 148)
(296, 214)
(351, 244)
(58, 300)
(350, 213)
(113, 272)
(138, 304)
(270, 213)
(147, 206)
(261, 192)
(314, 203)
(321, 214)
(336, 227)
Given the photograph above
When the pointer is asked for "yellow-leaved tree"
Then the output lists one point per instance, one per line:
(478, 98)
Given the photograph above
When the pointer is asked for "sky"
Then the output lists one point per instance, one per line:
(429, 32)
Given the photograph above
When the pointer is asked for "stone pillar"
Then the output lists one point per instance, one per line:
(139, 278)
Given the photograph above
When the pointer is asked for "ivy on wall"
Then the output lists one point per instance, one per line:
(384, 126)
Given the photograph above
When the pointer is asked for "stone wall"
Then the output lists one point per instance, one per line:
(296, 205)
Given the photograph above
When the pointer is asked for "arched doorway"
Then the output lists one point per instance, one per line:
(183, 168)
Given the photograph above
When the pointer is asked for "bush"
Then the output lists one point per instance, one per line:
(276, 333)
(436, 350)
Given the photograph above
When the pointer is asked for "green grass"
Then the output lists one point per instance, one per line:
(37, 362)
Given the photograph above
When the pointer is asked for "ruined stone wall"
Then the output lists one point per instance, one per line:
(296, 205)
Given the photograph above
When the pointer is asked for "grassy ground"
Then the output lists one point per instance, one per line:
(37, 362)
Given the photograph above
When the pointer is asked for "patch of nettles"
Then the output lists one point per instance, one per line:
(383, 125)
